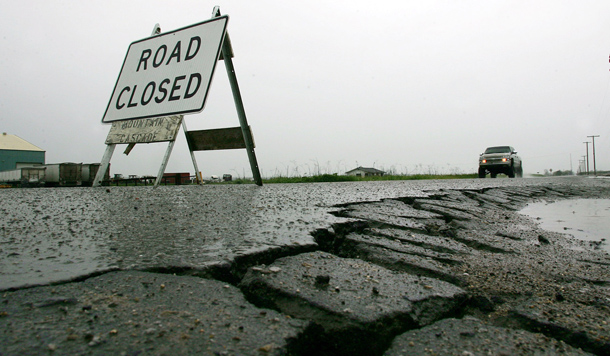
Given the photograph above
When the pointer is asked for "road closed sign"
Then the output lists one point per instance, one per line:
(168, 74)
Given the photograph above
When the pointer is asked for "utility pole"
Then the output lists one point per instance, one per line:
(587, 142)
(594, 168)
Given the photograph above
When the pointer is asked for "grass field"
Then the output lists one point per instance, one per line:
(327, 178)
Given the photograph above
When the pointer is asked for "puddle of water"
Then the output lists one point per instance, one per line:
(585, 219)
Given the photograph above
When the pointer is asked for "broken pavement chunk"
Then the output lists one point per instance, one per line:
(414, 300)
(469, 336)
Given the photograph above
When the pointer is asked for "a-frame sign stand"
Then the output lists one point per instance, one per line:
(229, 138)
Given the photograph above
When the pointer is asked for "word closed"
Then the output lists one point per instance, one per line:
(169, 74)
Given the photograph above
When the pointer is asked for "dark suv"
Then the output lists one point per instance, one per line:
(500, 159)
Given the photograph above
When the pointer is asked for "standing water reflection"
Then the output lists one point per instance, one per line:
(585, 219)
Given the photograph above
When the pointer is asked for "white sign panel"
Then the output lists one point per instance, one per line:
(157, 129)
(168, 74)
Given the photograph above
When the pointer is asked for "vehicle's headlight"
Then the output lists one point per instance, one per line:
(483, 161)
(504, 159)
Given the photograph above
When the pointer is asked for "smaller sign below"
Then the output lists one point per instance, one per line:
(159, 129)
(216, 139)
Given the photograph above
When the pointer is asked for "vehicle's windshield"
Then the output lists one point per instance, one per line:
(498, 149)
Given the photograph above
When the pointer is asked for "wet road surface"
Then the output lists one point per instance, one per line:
(336, 269)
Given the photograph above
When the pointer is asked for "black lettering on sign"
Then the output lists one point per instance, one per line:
(131, 123)
(144, 58)
(118, 105)
(156, 63)
(175, 54)
(154, 122)
(145, 97)
(162, 90)
(144, 101)
(190, 55)
(176, 87)
(131, 103)
(141, 137)
(159, 58)
(188, 86)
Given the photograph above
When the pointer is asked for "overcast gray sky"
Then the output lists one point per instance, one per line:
(409, 86)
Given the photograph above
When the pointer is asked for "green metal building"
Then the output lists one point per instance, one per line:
(16, 152)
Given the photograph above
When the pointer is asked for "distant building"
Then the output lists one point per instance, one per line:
(16, 152)
(365, 172)
(176, 178)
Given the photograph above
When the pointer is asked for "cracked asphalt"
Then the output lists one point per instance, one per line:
(369, 268)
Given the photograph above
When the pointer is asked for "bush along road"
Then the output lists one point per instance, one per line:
(441, 271)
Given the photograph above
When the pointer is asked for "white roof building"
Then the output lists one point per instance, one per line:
(16, 143)
(365, 172)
